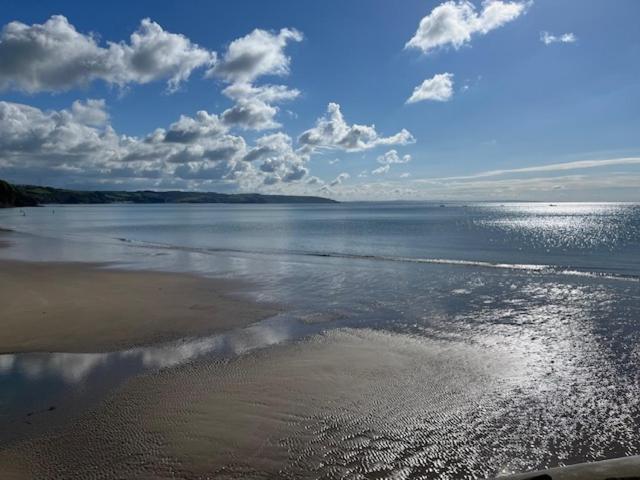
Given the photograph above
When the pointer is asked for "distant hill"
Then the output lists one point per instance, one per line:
(11, 196)
(31, 195)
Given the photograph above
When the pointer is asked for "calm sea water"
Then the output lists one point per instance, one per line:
(555, 286)
(592, 238)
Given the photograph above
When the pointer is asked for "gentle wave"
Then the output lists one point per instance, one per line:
(533, 268)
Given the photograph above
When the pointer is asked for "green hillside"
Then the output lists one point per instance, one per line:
(30, 195)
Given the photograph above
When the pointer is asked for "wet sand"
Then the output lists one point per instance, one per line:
(69, 307)
(349, 402)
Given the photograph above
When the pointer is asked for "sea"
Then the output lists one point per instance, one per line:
(555, 285)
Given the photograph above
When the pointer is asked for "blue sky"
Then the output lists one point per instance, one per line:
(496, 98)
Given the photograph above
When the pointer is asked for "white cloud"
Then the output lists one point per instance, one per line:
(251, 115)
(248, 58)
(392, 157)
(54, 56)
(256, 54)
(314, 181)
(454, 23)
(548, 39)
(340, 179)
(264, 93)
(388, 159)
(79, 144)
(554, 167)
(189, 130)
(381, 170)
(279, 160)
(333, 132)
(439, 88)
(92, 112)
(405, 175)
(254, 108)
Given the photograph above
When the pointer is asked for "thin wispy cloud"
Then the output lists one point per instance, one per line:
(554, 167)
(547, 38)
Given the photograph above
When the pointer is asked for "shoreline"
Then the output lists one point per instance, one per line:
(82, 308)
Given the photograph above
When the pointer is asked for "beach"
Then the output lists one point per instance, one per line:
(350, 401)
(74, 307)
(132, 349)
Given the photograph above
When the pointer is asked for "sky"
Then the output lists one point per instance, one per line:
(353, 100)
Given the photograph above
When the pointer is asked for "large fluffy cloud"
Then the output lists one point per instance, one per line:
(199, 151)
(247, 58)
(278, 159)
(332, 131)
(438, 88)
(454, 23)
(54, 56)
(254, 108)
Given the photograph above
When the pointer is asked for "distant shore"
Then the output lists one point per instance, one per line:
(73, 307)
(35, 195)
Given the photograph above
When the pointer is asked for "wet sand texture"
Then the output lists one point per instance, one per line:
(345, 403)
(82, 308)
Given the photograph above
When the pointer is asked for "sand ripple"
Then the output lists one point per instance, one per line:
(348, 404)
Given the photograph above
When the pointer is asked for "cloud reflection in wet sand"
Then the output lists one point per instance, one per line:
(76, 367)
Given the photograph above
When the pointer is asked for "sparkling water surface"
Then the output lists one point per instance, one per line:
(552, 289)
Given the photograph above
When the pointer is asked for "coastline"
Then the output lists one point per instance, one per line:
(79, 307)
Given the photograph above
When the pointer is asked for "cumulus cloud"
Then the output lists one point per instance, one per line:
(455, 23)
(256, 54)
(80, 144)
(54, 56)
(388, 159)
(310, 181)
(279, 160)
(333, 132)
(340, 179)
(254, 108)
(91, 112)
(548, 39)
(246, 59)
(381, 170)
(251, 114)
(439, 88)
(191, 129)
(392, 157)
